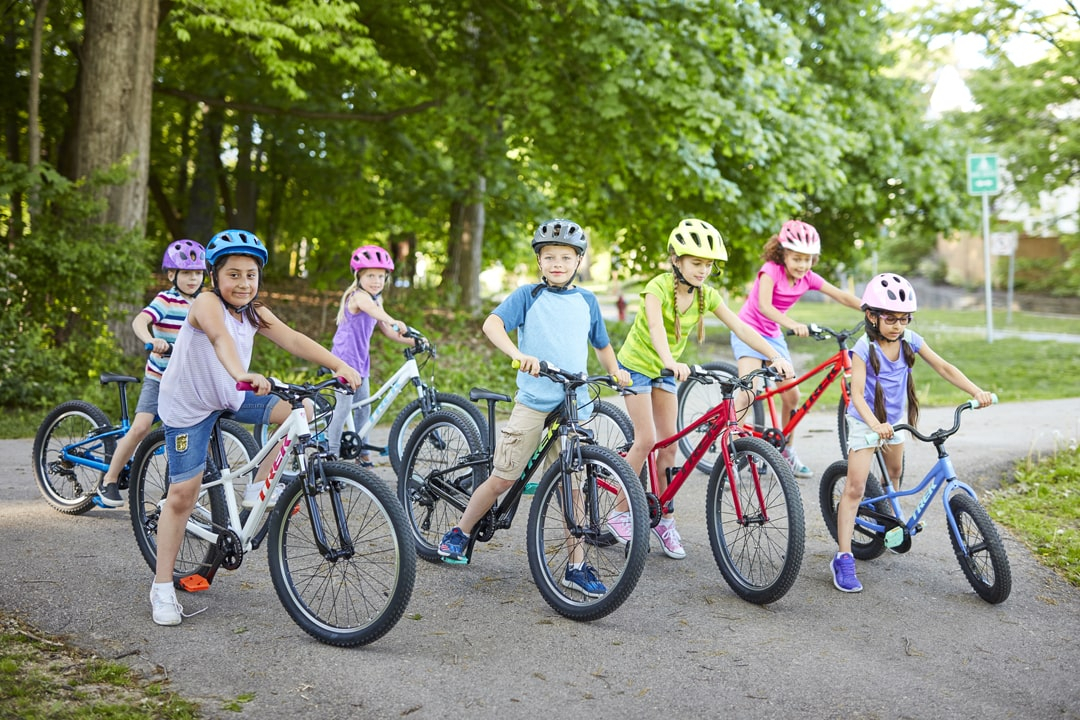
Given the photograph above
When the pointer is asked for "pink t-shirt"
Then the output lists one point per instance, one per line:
(784, 296)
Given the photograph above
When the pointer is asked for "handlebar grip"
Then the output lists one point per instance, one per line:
(245, 387)
(975, 406)
(872, 438)
(148, 346)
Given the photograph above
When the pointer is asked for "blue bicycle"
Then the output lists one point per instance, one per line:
(880, 522)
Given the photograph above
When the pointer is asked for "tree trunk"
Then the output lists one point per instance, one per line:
(465, 248)
(115, 102)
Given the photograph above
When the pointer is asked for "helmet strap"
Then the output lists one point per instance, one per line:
(679, 277)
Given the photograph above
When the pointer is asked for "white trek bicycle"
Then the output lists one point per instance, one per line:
(428, 400)
(341, 554)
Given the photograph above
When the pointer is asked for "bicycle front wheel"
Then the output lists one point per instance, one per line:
(354, 590)
(553, 547)
(865, 543)
(68, 431)
(696, 398)
(439, 473)
(148, 492)
(756, 525)
(408, 420)
(979, 550)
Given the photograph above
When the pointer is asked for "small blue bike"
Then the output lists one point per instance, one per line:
(880, 523)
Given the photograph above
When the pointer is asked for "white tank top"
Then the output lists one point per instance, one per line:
(195, 383)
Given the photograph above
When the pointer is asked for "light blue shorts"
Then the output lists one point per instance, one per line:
(741, 349)
(857, 431)
(641, 384)
(186, 447)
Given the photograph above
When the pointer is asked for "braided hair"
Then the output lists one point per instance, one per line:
(675, 307)
(875, 364)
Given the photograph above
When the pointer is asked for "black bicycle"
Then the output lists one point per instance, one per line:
(568, 522)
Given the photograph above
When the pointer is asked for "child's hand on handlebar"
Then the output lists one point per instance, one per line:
(783, 366)
(159, 346)
(528, 364)
(984, 398)
(622, 376)
(884, 430)
(259, 384)
(800, 330)
(349, 375)
(680, 371)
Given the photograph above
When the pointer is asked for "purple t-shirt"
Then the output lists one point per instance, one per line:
(352, 340)
(784, 296)
(892, 376)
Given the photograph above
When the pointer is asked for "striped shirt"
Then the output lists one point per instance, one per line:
(167, 312)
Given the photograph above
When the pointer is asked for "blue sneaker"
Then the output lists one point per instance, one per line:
(453, 544)
(583, 579)
(843, 573)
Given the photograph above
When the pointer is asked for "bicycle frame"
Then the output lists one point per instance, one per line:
(408, 372)
(838, 364)
(85, 452)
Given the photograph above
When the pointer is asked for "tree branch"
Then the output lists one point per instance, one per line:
(258, 109)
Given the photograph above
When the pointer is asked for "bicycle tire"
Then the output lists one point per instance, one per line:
(979, 549)
(408, 420)
(865, 544)
(618, 567)
(149, 487)
(65, 485)
(759, 556)
(611, 427)
(696, 398)
(841, 426)
(433, 505)
(356, 598)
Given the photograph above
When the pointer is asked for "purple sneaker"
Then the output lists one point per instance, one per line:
(843, 573)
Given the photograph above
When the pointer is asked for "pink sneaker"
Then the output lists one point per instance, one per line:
(670, 540)
(622, 527)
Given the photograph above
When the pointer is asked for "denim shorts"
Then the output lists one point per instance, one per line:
(185, 447)
(857, 431)
(741, 349)
(148, 396)
(641, 384)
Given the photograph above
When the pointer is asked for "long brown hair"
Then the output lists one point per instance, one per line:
(675, 307)
(875, 364)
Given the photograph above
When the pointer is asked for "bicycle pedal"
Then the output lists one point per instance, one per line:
(452, 561)
(194, 583)
(98, 501)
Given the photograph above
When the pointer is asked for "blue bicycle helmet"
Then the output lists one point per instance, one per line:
(235, 242)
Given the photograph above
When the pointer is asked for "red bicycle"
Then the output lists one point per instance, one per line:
(753, 507)
(697, 397)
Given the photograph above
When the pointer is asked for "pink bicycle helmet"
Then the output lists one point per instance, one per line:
(371, 256)
(797, 236)
(889, 292)
(184, 255)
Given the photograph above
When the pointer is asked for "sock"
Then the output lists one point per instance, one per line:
(164, 588)
(577, 566)
(667, 522)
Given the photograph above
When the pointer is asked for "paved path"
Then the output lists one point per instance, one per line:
(479, 641)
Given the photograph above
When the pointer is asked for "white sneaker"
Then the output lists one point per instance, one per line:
(798, 468)
(167, 610)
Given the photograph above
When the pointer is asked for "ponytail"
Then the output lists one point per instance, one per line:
(875, 364)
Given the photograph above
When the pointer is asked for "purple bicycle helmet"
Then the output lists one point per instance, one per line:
(367, 257)
(797, 236)
(891, 293)
(184, 255)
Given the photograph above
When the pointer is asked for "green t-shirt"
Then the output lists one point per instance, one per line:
(638, 353)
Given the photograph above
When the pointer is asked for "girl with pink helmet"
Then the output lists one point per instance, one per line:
(786, 276)
(883, 393)
(360, 313)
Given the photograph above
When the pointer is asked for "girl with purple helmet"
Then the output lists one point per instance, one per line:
(882, 394)
(786, 276)
(156, 325)
(360, 313)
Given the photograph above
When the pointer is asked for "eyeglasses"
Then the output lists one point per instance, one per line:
(893, 320)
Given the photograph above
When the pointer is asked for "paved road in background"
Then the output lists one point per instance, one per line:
(480, 642)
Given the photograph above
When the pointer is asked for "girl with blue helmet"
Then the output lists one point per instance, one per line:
(211, 355)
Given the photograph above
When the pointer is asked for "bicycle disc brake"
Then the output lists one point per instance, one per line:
(230, 551)
(350, 446)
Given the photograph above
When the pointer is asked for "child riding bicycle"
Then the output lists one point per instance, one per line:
(555, 322)
(360, 313)
(656, 342)
(211, 355)
(786, 276)
(157, 325)
(883, 393)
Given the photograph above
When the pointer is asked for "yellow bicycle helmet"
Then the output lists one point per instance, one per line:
(698, 238)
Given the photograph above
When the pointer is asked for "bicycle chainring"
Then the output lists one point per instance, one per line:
(485, 529)
(350, 446)
(654, 509)
(230, 550)
(775, 438)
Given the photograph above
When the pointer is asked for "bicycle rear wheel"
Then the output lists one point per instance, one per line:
(759, 550)
(408, 421)
(434, 485)
(979, 550)
(865, 544)
(611, 427)
(696, 398)
(551, 547)
(65, 484)
(356, 591)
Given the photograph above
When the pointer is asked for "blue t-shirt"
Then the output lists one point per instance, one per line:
(893, 377)
(557, 327)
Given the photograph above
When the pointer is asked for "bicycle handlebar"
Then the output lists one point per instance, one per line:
(746, 382)
(820, 332)
(939, 434)
(564, 377)
(288, 391)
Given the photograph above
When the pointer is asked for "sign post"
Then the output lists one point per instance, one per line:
(982, 174)
(1004, 243)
